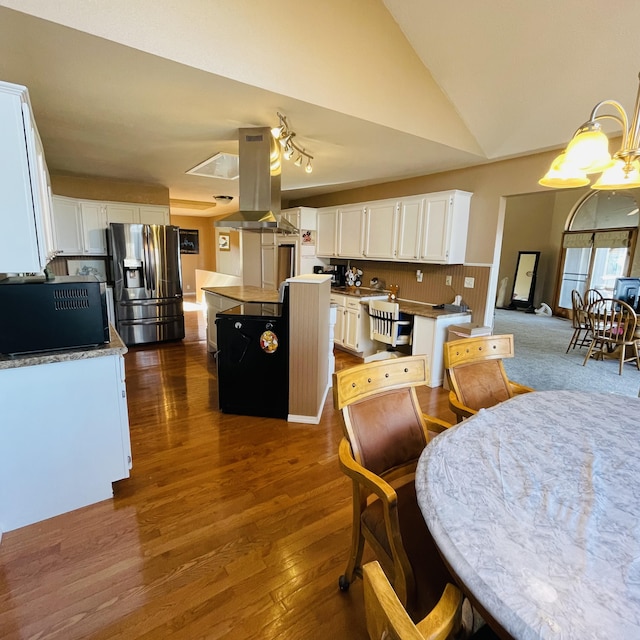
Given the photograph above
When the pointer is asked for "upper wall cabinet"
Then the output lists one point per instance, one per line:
(326, 240)
(426, 228)
(444, 227)
(380, 229)
(80, 227)
(26, 240)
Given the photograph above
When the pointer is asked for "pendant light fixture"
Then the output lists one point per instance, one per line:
(588, 153)
(284, 135)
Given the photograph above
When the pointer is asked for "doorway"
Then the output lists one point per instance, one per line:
(598, 246)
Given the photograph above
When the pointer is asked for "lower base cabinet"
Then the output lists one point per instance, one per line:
(215, 304)
(64, 437)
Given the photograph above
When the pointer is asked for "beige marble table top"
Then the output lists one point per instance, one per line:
(245, 293)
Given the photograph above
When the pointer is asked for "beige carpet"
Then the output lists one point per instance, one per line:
(540, 361)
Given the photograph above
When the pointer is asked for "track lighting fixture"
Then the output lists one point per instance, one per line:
(284, 135)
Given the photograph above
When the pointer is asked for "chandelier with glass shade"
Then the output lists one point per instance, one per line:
(588, 153)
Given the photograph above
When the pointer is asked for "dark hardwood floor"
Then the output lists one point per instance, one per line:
(229, 526)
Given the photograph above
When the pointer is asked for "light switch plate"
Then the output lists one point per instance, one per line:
(469, 283)
(448, 281)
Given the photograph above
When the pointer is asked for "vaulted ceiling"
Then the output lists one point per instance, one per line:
(376, 91)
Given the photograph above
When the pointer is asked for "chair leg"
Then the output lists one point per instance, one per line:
(586, 358)
(574, 339)
(357, 544)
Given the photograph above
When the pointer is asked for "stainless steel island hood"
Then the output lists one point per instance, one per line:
(259, 182)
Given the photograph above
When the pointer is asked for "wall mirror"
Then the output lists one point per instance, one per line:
(524, 281)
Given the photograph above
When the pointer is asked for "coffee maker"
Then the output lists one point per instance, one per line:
(336, 271)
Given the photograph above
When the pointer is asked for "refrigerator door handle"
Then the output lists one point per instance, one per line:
(149, 263)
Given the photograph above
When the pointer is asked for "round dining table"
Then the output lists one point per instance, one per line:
(535, 507)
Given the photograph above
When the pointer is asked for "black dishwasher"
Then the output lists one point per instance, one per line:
(253, 360)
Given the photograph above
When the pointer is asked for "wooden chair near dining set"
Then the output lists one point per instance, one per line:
(606, 326)
(385, 433)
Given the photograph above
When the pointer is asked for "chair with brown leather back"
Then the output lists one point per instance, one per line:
(476, 375)
(385, 432)
(387, 618)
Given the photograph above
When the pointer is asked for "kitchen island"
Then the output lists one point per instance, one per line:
(64, 433)
(222, 298)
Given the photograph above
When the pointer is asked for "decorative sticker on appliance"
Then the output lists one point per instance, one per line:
(269, 342)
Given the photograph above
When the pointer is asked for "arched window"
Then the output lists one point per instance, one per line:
(598, 245)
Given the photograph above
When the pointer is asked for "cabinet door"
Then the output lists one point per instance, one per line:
(326, 240)
(268, 266)
(409, 229)
(380, 220)
(19, 242)
(123, 213)
(68, 226)
(349, 234)
(351, 318)
(94, 228)
(435, 230)
(154, 215)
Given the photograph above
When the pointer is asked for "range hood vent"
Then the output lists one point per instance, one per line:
(259, 183)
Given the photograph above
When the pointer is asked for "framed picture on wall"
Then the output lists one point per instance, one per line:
(224, 242)
(189, 241)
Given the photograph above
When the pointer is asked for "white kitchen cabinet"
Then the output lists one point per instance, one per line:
(80, 227)
(352, 330)
(94, 228)
(338, 331)
(154, 214)
(326, 233)
(68, 226)
(429, 336)
(380, 230)
(268, 265)
(215, 304)
(349, 231)
(410, 220)
(444, 228)
(26, 241)
(124, 213)
(64, 446)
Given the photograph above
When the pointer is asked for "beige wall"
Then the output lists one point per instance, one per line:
(205, 259)
(74, 186)
(229, 262)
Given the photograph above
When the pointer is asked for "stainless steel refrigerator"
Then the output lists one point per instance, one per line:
(147, 282)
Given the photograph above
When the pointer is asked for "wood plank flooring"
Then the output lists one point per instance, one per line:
(229, 526)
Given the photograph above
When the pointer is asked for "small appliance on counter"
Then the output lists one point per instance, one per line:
(336, 271)
(63, 312)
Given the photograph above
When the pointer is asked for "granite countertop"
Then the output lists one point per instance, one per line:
(245, 293)
(114, 346)
(423, 309)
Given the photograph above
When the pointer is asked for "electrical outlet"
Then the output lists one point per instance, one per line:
(469, 283)
(419, 276)
(448, 281)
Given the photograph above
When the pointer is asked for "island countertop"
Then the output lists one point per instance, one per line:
(114, 346)
(245, 293)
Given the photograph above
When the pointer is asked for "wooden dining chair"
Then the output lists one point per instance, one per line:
(387, 619)
(581, 335)
(476, 375)
(591, 296)
(385, 432)
(613, 328)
